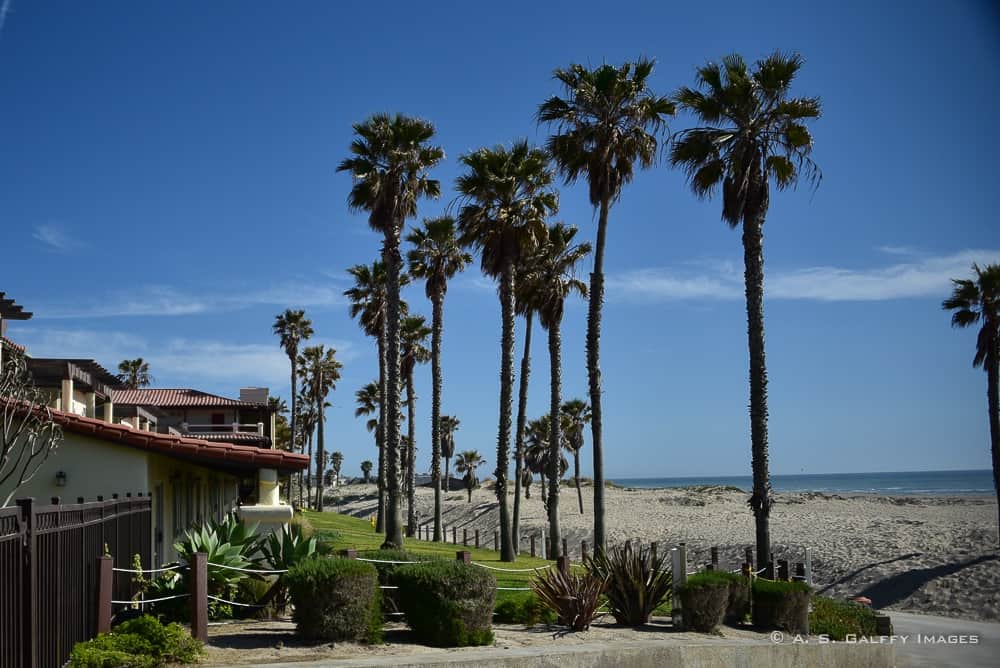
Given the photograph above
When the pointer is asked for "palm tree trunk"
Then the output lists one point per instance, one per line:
(411, 431)
(393, 514)
(522, 410)
(506, 406)
(320, 455)
(594, 373)
(760, 502)
(447, 474)
(544, 485)
(993, 399)
(576, 475)
(292, 356)
(437, 327)
(380, 433)
(309, 486)
(555, 438)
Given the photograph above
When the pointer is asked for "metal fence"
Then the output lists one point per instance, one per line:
(48, 572)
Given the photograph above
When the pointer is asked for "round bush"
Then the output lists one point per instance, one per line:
(448, 603)
(781, 605)
(335, 599)
(387, 573)
(704, 600)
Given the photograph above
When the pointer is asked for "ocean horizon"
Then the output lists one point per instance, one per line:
(973, 482)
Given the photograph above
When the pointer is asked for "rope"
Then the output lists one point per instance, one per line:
(247, 570)
(513, 570)
(387, 587)
(150, 600)
(151, 570)
(383, 561)
(513, 588)
(242, 605)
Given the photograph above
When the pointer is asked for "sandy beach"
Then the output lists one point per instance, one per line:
(918, 553)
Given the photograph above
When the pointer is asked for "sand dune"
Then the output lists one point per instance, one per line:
(927, 554)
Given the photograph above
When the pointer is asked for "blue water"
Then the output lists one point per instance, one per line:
(942, 483)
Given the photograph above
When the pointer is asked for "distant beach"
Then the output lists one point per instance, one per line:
(938, 483)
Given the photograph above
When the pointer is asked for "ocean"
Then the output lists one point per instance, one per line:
(939, 483)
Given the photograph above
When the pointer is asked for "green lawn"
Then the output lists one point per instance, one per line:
(352, 532)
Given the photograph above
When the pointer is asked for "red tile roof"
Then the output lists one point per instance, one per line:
(10, 344)
(231, 436)
(211, 453)
(177, 398)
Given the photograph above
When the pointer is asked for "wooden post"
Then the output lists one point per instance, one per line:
(584, 551)
(477, 539)
(715, 558)
(349, 553)
(562, 563)
(782, 569)
(678, 559)
(652, 552)
(745, 569)
(532, 544)
(809, 568)
(545, 544)
(464, 556)
(800, 572)
(496, 541)
(199, 596)
(769, 570)
(104, 580)
(565, 546)
(465, 536)
(748, 556)
(454, 535)
(29, 608)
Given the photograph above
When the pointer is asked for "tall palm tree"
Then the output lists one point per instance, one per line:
(369, 304)
(449, 425)
(609, 121)
(467, 462)
(320, 371)
(366, 470)
(306, 425)
(134, 374)
(551, 279)
(390, 157)
(524, 306)
(977, 301)
(336, 461)
(413, 333)
(436, 257)
(537, 453)
(293, 327)
(575, 414)
(506, 196)
(751, 133)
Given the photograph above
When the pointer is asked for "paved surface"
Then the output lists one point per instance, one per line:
(915, 650)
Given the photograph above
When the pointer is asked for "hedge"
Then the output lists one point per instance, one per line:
(448, 603)
(335, 599)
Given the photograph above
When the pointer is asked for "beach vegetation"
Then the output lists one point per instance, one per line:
(466, 463)
(575, 415)
(839, 619)
(637, 583)
(292, 327)
(524, 609)
(319, 370)
(448, 603)
(751, 132)
(780, 604)
(574, 597)
(449, 425)
(143, 642)
(387, 572)
(335, 599)
(704, 600)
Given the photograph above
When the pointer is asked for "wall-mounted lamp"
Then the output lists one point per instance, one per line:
(61, 479)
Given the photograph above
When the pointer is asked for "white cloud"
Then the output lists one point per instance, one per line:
(4, 10)
(53, 236)
(917, 276)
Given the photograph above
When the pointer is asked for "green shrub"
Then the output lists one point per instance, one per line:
(335, 599)
(387, 573)
(636, 583)
(739, 599)
(138, 643)
(704, 600)
(574, 598)
(838, 619)
(525, 609)
(448, 603)
(778, 604)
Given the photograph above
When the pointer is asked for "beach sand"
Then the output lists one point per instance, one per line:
(918, 553)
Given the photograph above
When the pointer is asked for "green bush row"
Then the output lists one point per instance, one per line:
(448, 603)
(838, 619)
(335, 599)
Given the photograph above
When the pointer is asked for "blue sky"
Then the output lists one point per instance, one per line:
(169, 185)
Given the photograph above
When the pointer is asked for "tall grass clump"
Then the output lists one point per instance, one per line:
(636, 582)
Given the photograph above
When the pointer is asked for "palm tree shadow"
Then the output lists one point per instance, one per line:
(852, 574)
(897, 587)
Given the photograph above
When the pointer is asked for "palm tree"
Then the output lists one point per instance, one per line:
(366, 470)
(449, 425)
(134, 374)
(575, 413)
(413, 333)
(537, 453)
(320, 371)
(524, 306)
(467, 462)
(608, 122)
(306, 425)
(282, 436)
(390, 159)
(506, 194)
(336, 461)
(436, 256)
(751, 132)
(369, 304)
(551, 279)
(293, 327)
(973, 302)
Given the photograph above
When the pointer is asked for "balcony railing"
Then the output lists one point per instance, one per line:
(235, 427)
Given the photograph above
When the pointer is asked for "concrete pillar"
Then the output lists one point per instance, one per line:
(274, 429)
(267, 487)
(90, 398)
(66, 405)
(109, 411)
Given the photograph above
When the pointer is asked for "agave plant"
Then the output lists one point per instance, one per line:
(574, 597)
(636, 582)
(229, 545)
(282, 551)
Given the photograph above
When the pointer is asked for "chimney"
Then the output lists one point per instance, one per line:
(254, 395)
